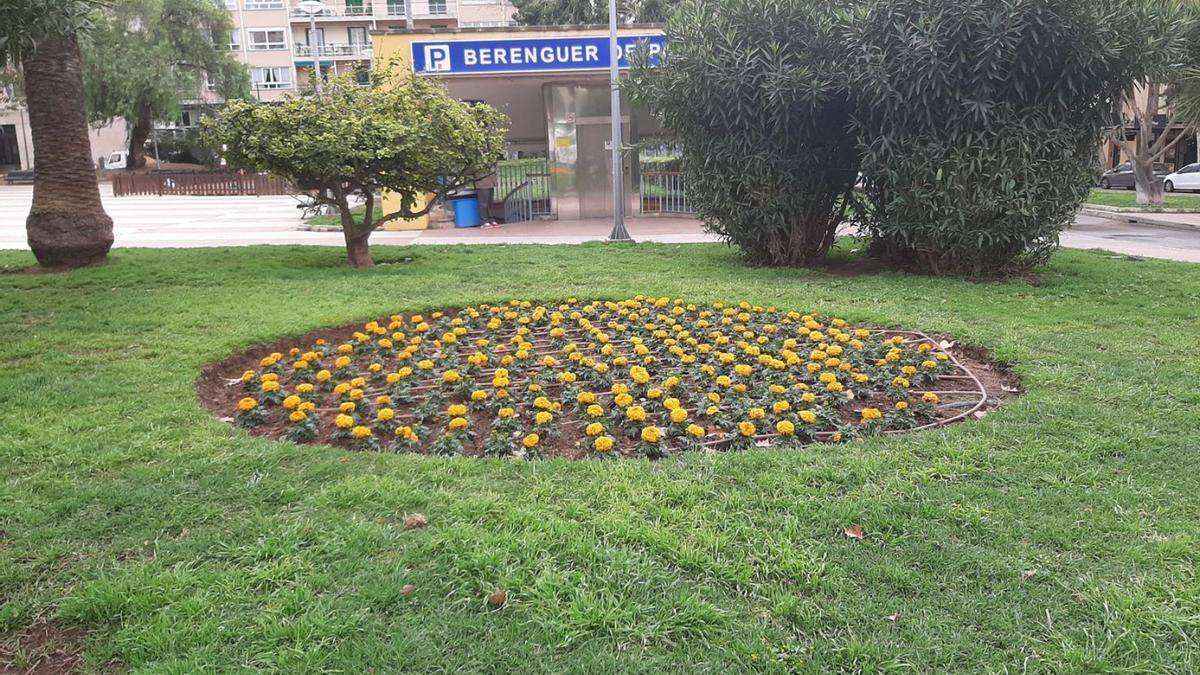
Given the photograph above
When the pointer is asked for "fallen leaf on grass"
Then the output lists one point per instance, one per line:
(855, 532)
(407, 589)
(892, 617)
(980, 414)
(946, 345)
(415, 520)
(497, 599)
(1028, 573)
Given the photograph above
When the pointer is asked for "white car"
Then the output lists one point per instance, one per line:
(1187, 178)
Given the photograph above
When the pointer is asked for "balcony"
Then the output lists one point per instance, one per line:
(335, 10)
(348, 51)
(423, 9)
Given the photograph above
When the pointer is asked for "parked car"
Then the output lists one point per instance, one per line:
(1121, 176)
(1187, 178)
(117, 160)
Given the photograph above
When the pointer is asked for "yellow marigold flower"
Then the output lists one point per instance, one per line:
(743, 370)
(930, 397)
(346, 407)
(247, 404)
(595, 411)
(654, 394)
(757, 413)
(450, 376)
(929, 364)
(567, 377)
(723, 381)
(942, 356)
(543, 403)
(505, 413)
(248, 376)
(383, 399)
(357, 394)
(636, 413)
(297, 416)
(836, 437)
(456, 410)
(343, 421)
(902, 405)
(603, 444)
(808, 416)
(341, 388)
(594, 429)
(341, 362)
(307, 407)
(270, 386)
(901, 382)
(360, 432)
(425, 364)
(385, 415)
(776, 389)
(671, 403)
(869, 414)
(639, 375)
(623, 400)
(651, 434)
(531, 440)
(785, 427)
(834, 386)
(345, 348)
(679, 415)
(291, 402)
(305, 388)
(543, 417)
(457, 423)
(747, 429)
(585, 397)
(780, 407)
(267, 362)
(695, 431)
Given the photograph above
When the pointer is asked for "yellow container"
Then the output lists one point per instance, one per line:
(391, 203)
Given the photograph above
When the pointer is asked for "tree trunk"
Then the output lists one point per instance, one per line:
(1148, 187)
(357, 252)
(67, 226)
(138, 134)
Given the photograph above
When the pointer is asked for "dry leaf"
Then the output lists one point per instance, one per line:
(407, 589)
(497, 599)
(892, 617)
(980, 414)
(855, 532)
(1011, 390)
(415, 520)
(946, 345)
(1028, 573)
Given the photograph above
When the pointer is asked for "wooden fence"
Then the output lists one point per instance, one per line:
(199, 183)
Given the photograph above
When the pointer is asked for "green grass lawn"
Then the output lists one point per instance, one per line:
(1060, 534)
(1129, 200)
(335, 219)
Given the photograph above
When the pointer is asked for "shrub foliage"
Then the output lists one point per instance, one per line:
(980, 123)
(752, 90)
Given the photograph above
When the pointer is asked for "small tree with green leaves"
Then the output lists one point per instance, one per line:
(981, 121)
(400, 134)
(143, 57)
(754, 91)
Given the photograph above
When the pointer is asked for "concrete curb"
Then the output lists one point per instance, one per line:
(1126, 209)
(1139, 218)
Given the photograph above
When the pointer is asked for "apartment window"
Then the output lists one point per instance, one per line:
(311, 38)
(395, 8)
(279, 77)
(438, 8)
(358, 36)
(263, 4)
(356, 8)
(235, 40)
(230, 4)
(266, 38)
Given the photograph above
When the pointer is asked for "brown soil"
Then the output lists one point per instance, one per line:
(219, 387)
(41, 649)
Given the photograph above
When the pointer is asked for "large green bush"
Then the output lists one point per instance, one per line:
(981, 121)
(752, 90)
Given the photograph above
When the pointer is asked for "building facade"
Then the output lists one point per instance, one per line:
(275, 39)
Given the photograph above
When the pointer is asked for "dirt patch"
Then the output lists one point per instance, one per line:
(979, 383)
(42, 649)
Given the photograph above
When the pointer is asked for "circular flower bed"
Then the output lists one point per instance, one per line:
(645, 377)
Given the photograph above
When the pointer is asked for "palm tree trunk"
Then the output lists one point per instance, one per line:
(67, 226)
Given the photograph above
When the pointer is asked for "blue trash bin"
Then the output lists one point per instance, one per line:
(466, 210)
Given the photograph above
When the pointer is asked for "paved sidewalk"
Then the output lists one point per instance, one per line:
(177, 222)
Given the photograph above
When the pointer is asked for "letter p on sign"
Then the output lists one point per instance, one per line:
(437, 58)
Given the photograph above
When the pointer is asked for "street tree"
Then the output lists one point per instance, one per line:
(1157, 109)
(67, 226)
(402, 134)
(144, 57)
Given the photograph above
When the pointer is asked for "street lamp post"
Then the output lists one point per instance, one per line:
(312, 8)
(619, 233)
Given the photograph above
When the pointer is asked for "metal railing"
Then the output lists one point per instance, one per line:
(334, 50)
(663, 192)
(531, 187)
(348, 9)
